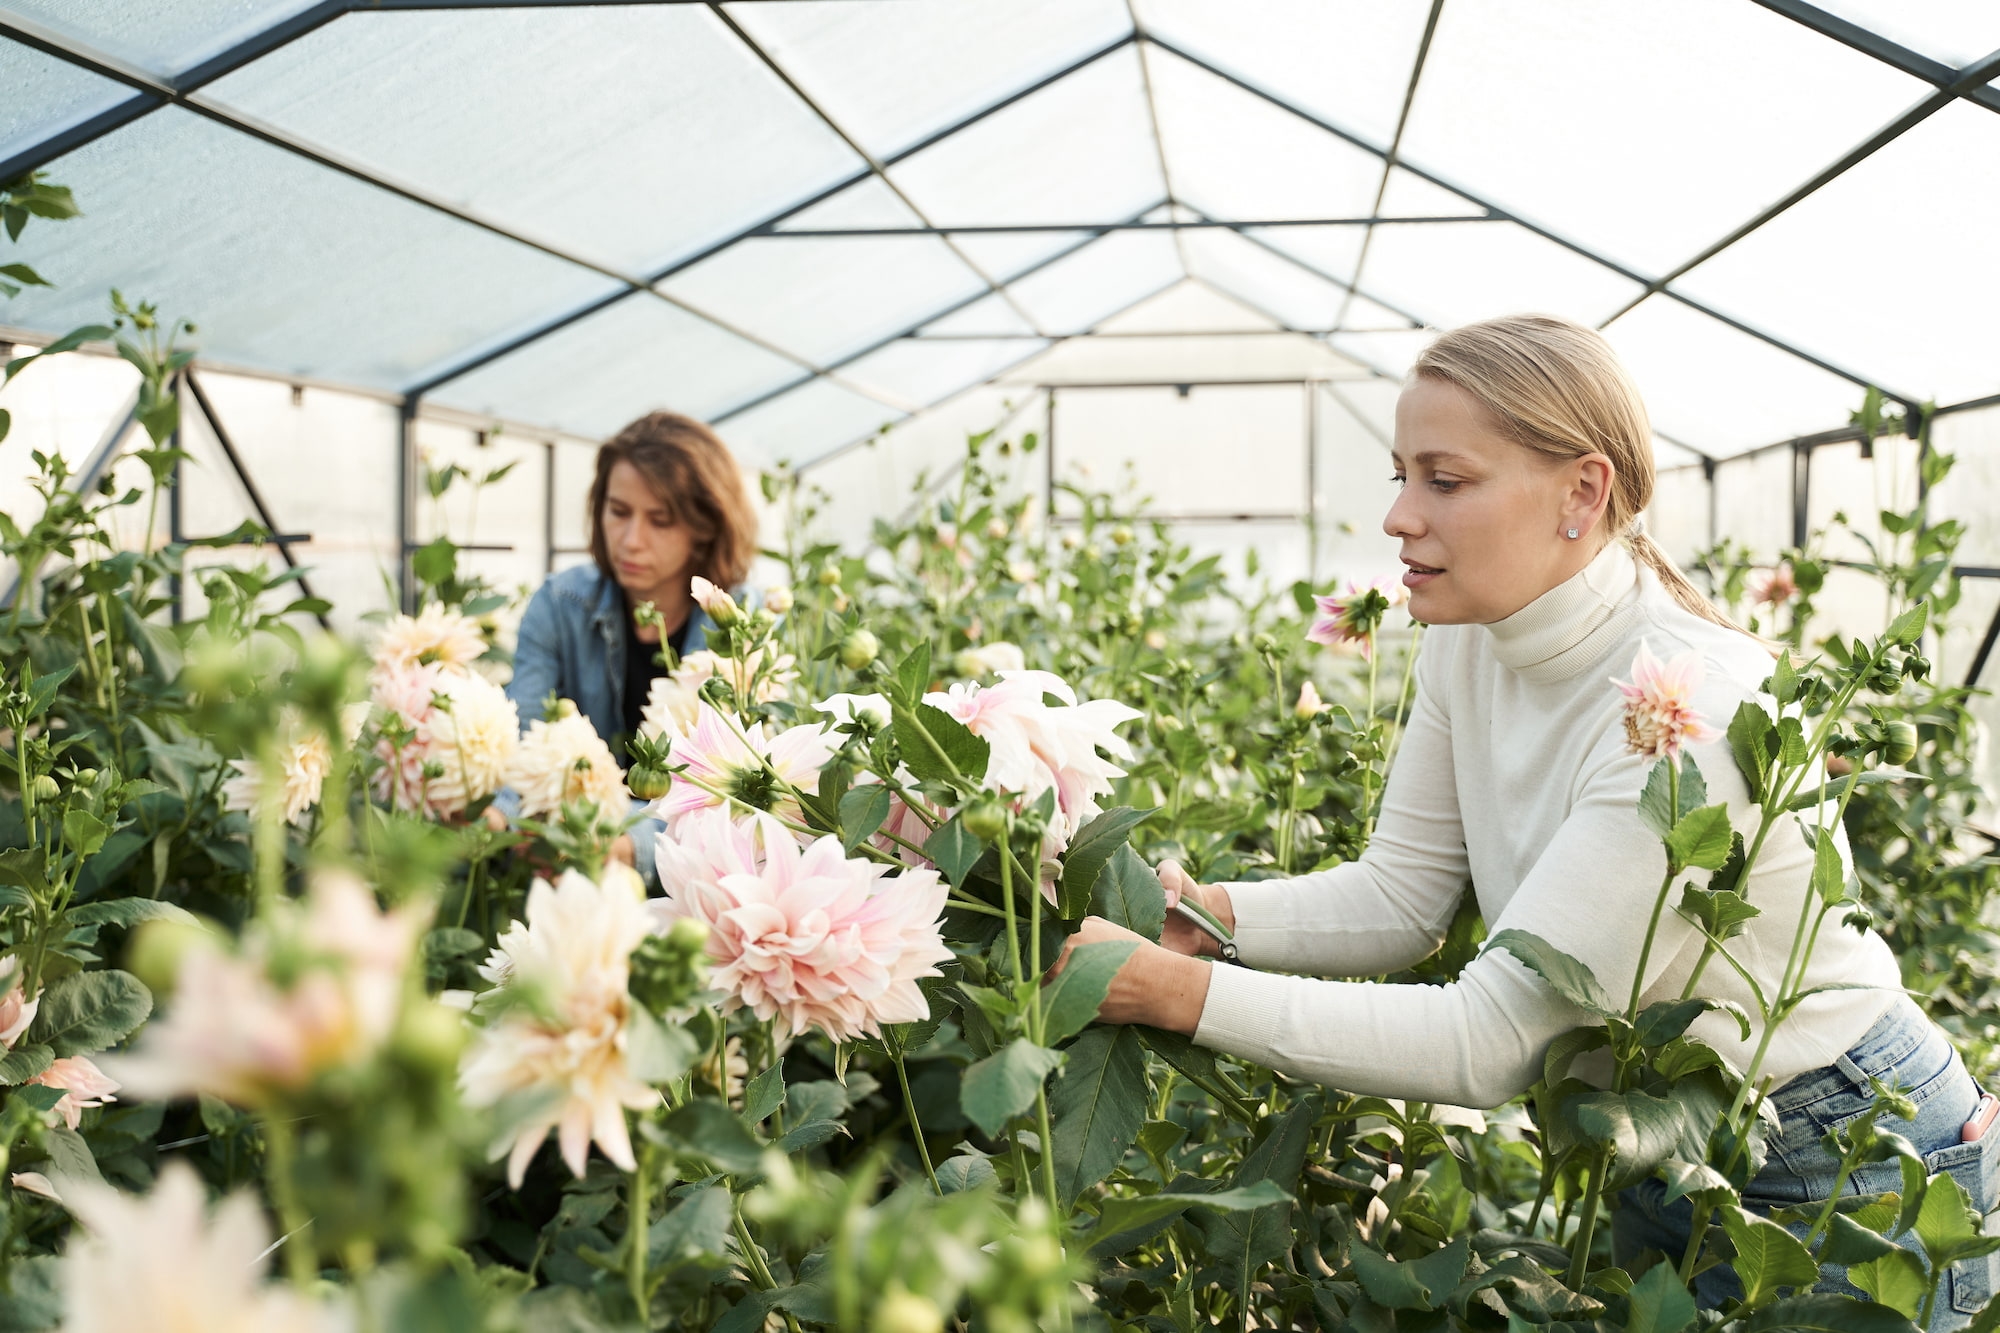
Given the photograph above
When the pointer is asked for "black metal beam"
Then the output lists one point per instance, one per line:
(1974, 75)
(1196, 224)
(568, 317)
(1934, 72)
(1986, 644)
(1320, 273)
(1573, 246)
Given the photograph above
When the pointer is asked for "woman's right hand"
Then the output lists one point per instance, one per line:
(1182, 935)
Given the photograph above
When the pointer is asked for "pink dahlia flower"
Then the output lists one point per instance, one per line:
(1660, 719)
(1773, 587)
(405, 702)
(1348, 621)
(741, 761)
(84, 1086)
(808, 935)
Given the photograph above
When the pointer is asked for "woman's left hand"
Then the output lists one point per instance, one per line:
(1156, 987)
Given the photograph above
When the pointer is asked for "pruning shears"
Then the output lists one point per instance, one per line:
(1205, 922)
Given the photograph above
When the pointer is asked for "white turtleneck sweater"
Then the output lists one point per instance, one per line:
(1514, 773)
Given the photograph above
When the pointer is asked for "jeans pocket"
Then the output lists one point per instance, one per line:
(1976, 1167)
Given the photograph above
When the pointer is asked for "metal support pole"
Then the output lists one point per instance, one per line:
(1801, 491)
(1049, 457)
(1985, 650)
(175, 531)
(1714, 522)
(549, 512)
(406, 508)
(1312, 482)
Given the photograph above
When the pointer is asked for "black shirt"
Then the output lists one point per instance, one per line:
(640, 669)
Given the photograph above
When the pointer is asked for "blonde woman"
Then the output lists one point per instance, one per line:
(1525, 457)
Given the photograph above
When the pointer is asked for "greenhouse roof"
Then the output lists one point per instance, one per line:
(802, 220)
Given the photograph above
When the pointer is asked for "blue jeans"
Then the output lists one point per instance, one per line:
(1903, 1049)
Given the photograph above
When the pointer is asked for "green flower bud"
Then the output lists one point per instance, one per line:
(45, 789)
(985, 819)
(906, 1312)
(430, 1036)
(1900, 742)
(1121, 535)
(829, 575)
(858, 649)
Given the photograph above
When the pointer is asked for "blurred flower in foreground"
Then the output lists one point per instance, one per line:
(1659, 710)
(165, 1261)
(316, 987)
(988, 659)
(570, 965)
(808, 935)
(1309, 703)
(1348, 621)
(562, 762)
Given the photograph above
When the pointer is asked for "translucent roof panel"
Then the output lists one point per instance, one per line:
(921, 373)
(1233, 155)
(1957, 32)
(1189, 307)
(989, 316)
(45, 95)
(164, 38)
(1454, 273)
(283, 264)
(604, 370)
(633, 134)
(1099, 280)
(1647, 160)
(806, 423)
(891, 75)
(1080, 150)
(1346, 60)
(823, 299)
(1266, 282)
(1390, 354)
(1929, 264)
(1720, 390)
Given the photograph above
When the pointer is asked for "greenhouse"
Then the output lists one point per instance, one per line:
(1057, 654)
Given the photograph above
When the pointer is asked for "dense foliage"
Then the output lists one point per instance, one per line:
(474, 1080)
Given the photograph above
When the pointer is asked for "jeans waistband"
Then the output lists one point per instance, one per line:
(1899, 1033)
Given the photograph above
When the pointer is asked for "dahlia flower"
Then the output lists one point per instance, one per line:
(318, 987)
(167, 1261)
(307, 759)
(675, 699)
(777, 599)
(1773, 587)
(574, 954)
(435, 636)
(84, 1086)
(564, 761)
(721, 607)
(741, 761)
(988, 659)
(1347, 621)
(1659, 704)
(474, 732)
(405, 699)
(1309, 704)
(808, 935)
(1036, 746)
(17, 1011)
(843, 708)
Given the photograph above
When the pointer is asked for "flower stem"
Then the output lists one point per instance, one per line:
(916, 1126)
(279, 1152)
(638, 1209)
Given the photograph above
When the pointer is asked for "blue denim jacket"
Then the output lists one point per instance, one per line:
(572, 642)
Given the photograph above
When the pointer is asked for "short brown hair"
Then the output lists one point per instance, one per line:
(694, 475)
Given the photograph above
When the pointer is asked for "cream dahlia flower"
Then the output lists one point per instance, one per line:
(574, 952)
(1659, 704)
(806, 935)
(84, 1086)
(722, 756)
(562, 762)
(317, 987)
(405, 704)
(166, 1261)
(434, 636)
(989, 659)
(307, 759)
(17, 1011)
(474, 732)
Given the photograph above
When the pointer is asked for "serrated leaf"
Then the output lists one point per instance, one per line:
(764, 1094)
(1564, 1050)
(1701, 839)
(25, 1062)
(1768, 1257)
(1570, 978)
(1658, 1303)
(1753, 743)
(953, 850)
(1003, 1085)
(965, 1172)
(88, 1011)
(712, 1132)
(84, 832)
(1721, 911)
(1097, 1107)
(1907, 628)
(1895, 1278)
(1829, 876)
(1121, 1218)
(1660, 1023)
(131, 911)
(1823, 1314)
(697, 1226)
(937, 747)
(1071, 1001)
(1947, 1225)
(1089, 852)
(913, 674)
(1128, 893)
(1656, 806)
(1849, 1243)
(1641, 1130)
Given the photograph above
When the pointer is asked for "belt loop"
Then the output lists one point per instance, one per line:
(1854, 1072)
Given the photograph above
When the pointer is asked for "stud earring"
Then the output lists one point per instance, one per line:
(1571, 534)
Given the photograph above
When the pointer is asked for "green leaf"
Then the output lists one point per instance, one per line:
(34, 1295)
(1895, 1278)
(862, 811)
(1907, 628)
(1120, 1222)
(1767, 1257)
(1240, 1243)
(697, 1226)
(1701, 839)
(1642, 1130)
(1128, 893)
(1003, 1085)
(1660, 1023)
(25, 1062)
(1071, 1001)
(1694, 1180)
(1753, 741)
(1570, 978)
(937, 747)
(1784, 680)
(1948, 1226)
(1089, 852)
(964, 1172)
(1721, 911)
(1823, 1314)
(88, 1011)
(1849, 1243)
(1658, 1303)
(1915, 1187)
(1829, 876)
(1389, 1284)
(764, 1094)
(84, 832)
(1656, 800)
(131, 911)
(70, 1157)
(654, 1052)
(913, 676)
(712, 1132)
(435, 563)
(1564, 1050)
(1097, 1107)
(953, 850)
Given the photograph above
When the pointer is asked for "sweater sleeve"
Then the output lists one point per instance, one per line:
(1392, 906)
(1479, 1040)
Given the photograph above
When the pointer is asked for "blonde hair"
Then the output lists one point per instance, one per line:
(1557, 387)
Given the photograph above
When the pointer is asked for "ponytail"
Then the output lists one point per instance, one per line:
(1556, 387)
